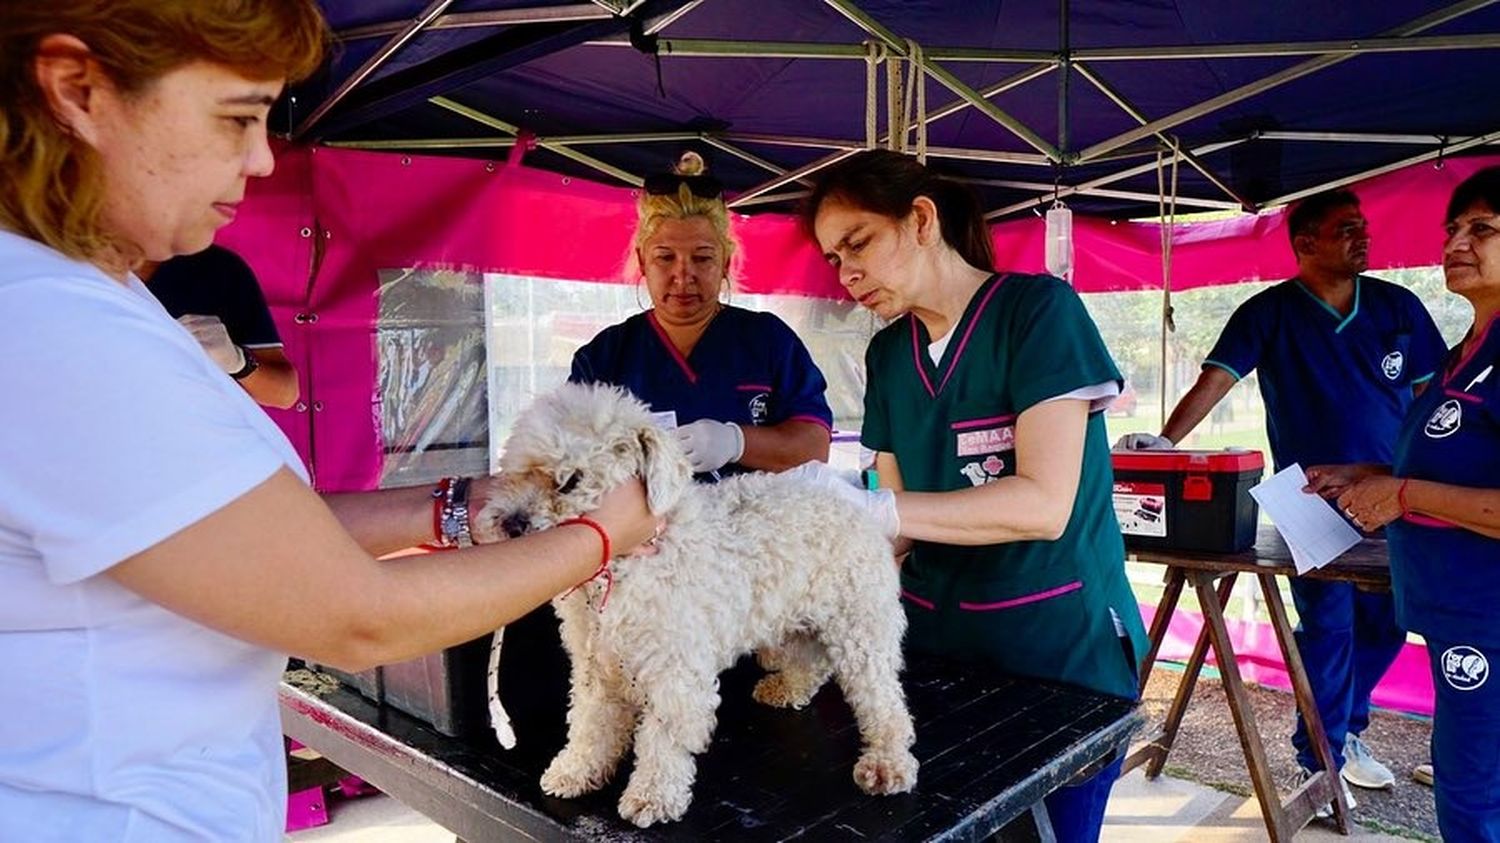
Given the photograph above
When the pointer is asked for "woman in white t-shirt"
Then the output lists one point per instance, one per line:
(160, 550)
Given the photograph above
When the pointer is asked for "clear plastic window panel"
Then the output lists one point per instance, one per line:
(535, 325)
(429, 344)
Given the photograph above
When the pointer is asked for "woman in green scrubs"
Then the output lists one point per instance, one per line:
(985, 409)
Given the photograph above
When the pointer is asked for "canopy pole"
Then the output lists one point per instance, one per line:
(1167, 206)
(874, 55)
(1064, 74)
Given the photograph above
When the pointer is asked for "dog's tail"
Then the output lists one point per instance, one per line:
(499, 720)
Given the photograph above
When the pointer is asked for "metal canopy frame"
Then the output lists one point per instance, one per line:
(530, 33)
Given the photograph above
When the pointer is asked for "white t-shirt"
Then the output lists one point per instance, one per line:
(120, 720)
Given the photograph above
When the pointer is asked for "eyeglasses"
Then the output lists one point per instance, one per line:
(666, 184)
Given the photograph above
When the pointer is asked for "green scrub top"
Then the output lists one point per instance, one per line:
(1059, 610)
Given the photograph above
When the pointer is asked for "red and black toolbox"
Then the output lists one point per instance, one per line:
(1187, 500)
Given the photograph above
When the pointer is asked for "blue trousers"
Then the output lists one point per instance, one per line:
(1077, 811)
(1466, 741)
(1348, 639)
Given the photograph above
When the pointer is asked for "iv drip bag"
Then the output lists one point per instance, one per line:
(1060, 241)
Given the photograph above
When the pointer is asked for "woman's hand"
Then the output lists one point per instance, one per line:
(1372, 502)
(623, 513)
(711, 445)
(879, 504)
(481, 490)
(1330, 481)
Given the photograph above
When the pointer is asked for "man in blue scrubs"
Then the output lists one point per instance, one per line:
(1339, 356)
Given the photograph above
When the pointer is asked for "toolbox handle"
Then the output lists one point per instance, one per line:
(1197, 487)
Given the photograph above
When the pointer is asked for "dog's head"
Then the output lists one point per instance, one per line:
(570, 447)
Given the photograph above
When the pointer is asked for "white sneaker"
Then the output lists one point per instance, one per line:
(1361, 769)
(1324, 811)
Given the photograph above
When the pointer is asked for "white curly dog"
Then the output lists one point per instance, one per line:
(762, 562)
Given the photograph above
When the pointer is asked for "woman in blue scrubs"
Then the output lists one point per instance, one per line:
(1441, 499)
(737, 385)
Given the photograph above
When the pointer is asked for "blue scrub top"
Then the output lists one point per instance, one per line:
(1446, 579)
(1336, 387)
(748, 367)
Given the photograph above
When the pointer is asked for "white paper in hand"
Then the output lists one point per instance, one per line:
(1313, 531)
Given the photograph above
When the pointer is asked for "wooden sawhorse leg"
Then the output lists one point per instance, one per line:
(1153, 751)
(1282, 819)
(1301, 805)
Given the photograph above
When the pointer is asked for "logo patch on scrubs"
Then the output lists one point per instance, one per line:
(1445, 420)
(980, 473)
(972, 443)
(1392, 364)
(1464, 668)
(760, 407)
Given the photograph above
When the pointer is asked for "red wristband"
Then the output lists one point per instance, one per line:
(604, 557)
(1401, 497)
(603, 536)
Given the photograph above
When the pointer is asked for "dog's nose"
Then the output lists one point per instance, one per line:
(515, 524)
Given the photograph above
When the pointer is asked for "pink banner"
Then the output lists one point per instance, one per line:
(1407, 686)
(319, 230)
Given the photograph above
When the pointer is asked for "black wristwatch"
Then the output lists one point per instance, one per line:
(251, 364)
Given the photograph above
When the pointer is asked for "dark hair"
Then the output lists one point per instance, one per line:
(1483, 186)
(1308, 214)
(886, 183)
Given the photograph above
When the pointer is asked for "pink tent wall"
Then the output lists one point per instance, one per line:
(318, 231)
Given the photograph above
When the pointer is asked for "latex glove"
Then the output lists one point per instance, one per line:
(214, 337)
(879, 504)
(1144, 442)
(710, 444)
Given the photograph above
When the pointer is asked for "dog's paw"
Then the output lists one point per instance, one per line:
(566, 778)
(647, 805)
(886, 772)
(773, 689)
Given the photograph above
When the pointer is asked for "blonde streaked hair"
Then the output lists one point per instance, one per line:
(653, 210)
(51, 187)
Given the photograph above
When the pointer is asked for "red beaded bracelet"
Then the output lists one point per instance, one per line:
(1401, 496)
(604, 558)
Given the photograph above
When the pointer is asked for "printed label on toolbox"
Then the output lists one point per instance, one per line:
(1141, 508)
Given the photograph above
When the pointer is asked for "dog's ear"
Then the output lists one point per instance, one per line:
(665, 469)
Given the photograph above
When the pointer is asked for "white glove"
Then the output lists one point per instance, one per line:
(214, 337)
(879, 504)
(1144, 442)
(710, 444)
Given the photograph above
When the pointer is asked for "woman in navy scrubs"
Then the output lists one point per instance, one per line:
(737, 385)
(1441, 499)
